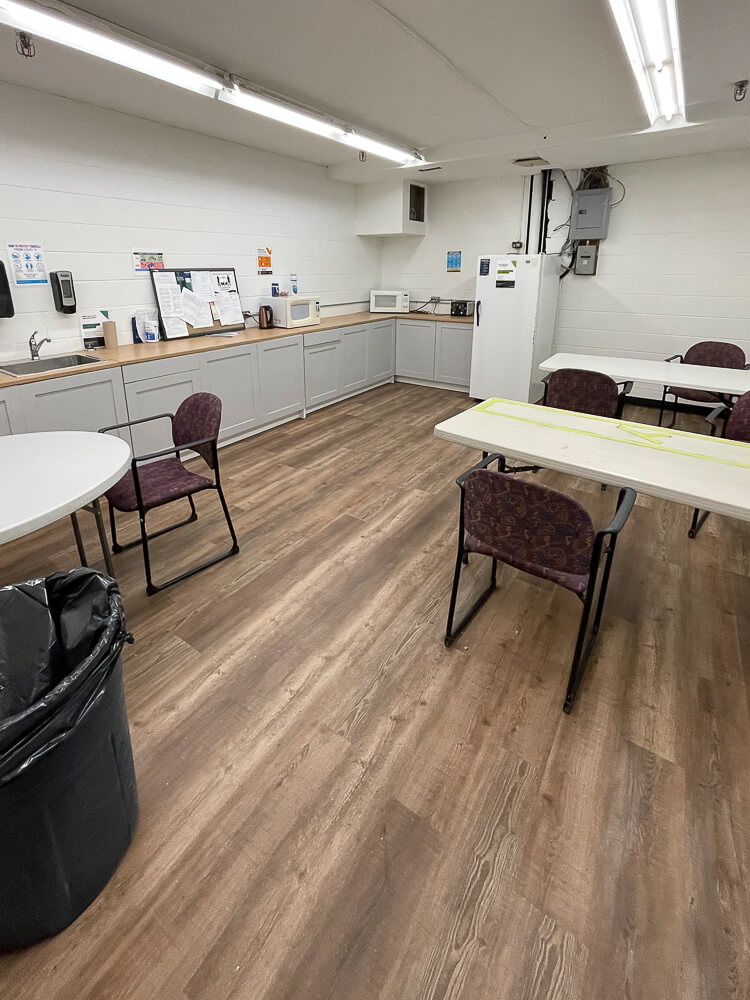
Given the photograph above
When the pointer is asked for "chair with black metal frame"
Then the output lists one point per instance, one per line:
(711, 354)
(584, 391)
(542, 532)
(736, 428)
(155, 480)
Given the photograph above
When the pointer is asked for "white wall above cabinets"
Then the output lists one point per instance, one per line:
(93, 185)
(391, 208)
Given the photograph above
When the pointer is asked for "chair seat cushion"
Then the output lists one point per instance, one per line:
(161, 482)
(697, 395)
(577, 582)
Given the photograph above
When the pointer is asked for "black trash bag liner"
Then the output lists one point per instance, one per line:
(59, 638)
(68, 797)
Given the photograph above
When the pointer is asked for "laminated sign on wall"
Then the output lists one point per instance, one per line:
(453, 260)
(264, 260)
(27, 263)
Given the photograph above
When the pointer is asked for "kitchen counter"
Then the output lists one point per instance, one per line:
(130, 354)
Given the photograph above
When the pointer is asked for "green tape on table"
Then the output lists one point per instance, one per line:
(642, 435)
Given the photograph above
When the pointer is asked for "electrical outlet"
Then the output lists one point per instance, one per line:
(435, 299)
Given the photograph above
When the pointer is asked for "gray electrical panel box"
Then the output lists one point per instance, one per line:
(589, 214)
(586, 257)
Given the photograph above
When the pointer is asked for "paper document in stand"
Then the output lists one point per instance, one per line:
(229, 308)
(194, 311)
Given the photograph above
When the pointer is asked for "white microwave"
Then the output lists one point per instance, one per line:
(389, 302)
(293, 310)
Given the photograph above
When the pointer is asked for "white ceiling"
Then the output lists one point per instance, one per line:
(473, 84)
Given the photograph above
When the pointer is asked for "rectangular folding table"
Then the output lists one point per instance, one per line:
(692, 469)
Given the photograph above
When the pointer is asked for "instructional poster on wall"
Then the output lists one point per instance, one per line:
(148, 260)
(197, 301)
(453, 261)
(264, 260)
(27, 263)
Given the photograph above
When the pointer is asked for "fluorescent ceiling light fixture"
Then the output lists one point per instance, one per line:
(106, 45)
(650, 34)
(280, 112)
(406, 157)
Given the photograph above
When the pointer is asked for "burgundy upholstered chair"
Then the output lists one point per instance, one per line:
(162, 480)
(736, 428)
(712, 353)
(542, 532)
(585, 392)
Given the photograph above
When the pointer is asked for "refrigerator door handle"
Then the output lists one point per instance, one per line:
(478, 309)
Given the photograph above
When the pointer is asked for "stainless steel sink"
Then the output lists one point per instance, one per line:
(19, 368)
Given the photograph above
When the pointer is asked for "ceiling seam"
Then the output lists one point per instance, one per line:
(406, 27)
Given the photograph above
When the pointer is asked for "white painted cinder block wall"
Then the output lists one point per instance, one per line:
(474, 217)
(675, 267)
(92, 185)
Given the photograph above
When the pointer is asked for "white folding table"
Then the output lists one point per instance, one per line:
(50, 474)
(723, 381)
(693, 469)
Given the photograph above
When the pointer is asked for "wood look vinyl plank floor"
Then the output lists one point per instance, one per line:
(334, 806)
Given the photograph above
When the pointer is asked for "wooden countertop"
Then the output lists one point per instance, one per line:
(131, 354)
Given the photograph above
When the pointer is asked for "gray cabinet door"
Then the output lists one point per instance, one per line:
(232, 375)
(415, 348)
(12, 418)
(353, 359)
(453, 353)
(158, 395)
(281, 377)
(381, 355)
(322, 373)
(86, 401)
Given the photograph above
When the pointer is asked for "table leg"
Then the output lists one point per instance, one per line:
(96, 507)
(79, 540)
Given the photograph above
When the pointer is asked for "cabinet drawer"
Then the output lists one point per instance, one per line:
(322, 337)
(161, 366)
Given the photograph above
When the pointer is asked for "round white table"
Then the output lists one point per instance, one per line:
(52, 474)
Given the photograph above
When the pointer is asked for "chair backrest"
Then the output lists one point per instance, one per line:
(582, 391)
(198, 417)
(715, 354)
(738, 422)
(528, 522)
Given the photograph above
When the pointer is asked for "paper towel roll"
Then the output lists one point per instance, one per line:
(109, 329)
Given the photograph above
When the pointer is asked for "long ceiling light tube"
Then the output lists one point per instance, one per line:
(280, 112)
(650, 35)
(103, 43)
(108, 46)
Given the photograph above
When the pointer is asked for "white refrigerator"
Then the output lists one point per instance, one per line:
(514, 321)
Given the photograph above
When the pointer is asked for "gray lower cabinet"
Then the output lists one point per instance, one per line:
(415, 348)
(381, 351)
(322, 353)
(353, 359)
(162, 394)
(12, 417)
(453, 352)
(281, 378)
(232, 375)
(85, 401)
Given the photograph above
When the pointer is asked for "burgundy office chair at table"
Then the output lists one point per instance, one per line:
(155, 480)
(712, 353)
(585, 392)
(542, 532)
(736, 428)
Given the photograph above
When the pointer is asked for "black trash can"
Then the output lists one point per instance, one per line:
(68, 801)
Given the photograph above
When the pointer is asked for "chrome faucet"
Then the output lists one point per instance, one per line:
(35, 344)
